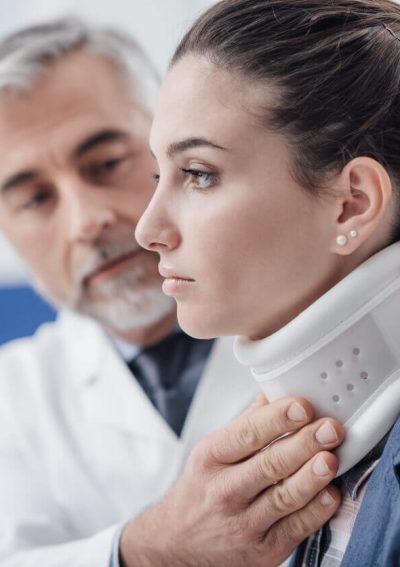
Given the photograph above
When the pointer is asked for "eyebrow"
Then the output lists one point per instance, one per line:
(97, 139)
(89, 143)
(189, 143)
(18, 179)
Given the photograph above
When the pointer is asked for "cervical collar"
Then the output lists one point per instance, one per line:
(342, 354)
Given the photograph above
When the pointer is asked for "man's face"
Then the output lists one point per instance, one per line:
(75, 177)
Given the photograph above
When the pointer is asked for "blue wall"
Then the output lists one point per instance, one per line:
(21, 312)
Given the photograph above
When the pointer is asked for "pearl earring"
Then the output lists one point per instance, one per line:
(353, 234)
(341, 240)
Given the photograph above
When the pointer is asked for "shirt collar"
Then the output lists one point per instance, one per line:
(353, 479)
(129, 351)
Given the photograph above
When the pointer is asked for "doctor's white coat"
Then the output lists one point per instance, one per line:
(81, 447)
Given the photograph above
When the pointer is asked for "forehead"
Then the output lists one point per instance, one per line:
(198, 98)
(80, 94)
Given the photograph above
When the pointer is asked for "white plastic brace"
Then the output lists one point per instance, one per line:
(342, 354)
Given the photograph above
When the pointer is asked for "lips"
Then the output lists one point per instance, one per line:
(112, 267)
(169, 273)
(174, 284)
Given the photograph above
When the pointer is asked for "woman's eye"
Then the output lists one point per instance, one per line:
(201, 179)
(156, 178)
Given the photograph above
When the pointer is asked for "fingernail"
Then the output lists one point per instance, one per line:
(326, 434)
(320, 467)
(326, 499)
(296, 412)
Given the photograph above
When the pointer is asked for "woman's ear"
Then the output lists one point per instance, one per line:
(362, 203)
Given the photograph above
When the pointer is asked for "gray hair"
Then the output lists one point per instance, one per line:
(30, 52)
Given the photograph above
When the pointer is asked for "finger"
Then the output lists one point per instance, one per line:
(284, 536)
(259, 402)
(284, 457)
(293, 493)
(252, 431)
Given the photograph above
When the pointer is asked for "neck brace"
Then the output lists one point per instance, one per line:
(342, 354)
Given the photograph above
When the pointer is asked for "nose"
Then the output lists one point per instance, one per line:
(88, 213)
(156, 229)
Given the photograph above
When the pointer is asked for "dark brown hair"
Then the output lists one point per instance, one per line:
(336, 64)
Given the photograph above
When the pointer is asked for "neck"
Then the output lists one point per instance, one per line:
(280, 316)
(147, 336)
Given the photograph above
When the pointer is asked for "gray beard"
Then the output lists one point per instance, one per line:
(130, 309)
(126, 304)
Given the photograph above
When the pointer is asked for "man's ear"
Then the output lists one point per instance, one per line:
(363, 200)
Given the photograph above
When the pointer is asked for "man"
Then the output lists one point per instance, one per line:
(86, 449)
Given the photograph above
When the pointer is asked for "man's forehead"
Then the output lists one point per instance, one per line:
(31, 144)
(78, 84)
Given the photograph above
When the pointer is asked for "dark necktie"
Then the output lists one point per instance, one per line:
(169, 371)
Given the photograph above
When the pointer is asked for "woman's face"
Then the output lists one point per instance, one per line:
(242, 246)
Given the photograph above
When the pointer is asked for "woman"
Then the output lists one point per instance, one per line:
(276, 219)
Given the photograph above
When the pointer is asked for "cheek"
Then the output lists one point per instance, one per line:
(31, 248)
(251, 250)
(43, 260)
(240, 232)
(222, 249)
(137, 198)
(45, 263)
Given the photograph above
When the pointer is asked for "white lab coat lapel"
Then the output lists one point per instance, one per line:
(225, 390)
(113, 397)
(109, 391)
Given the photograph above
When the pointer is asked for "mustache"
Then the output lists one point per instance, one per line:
(102, 255)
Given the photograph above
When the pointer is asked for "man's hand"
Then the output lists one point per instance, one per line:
(244, 498)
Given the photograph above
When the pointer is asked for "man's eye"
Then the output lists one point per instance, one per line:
(36, 200)
(156, 178)
(110, 164)
(103, 169)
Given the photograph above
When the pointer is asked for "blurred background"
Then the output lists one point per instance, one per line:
(157, 25)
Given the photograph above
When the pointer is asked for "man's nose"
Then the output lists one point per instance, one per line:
(88, 213)
(156, 229)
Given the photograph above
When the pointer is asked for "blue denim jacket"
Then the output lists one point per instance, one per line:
(375, 540)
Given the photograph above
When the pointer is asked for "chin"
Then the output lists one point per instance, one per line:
(199, 327)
